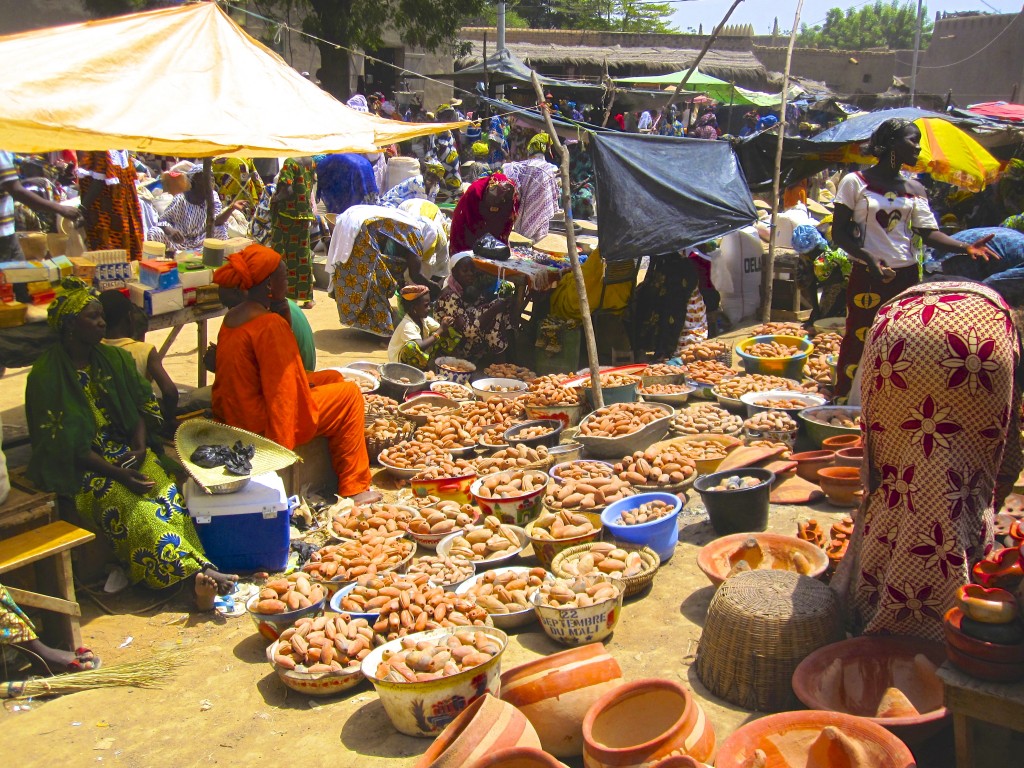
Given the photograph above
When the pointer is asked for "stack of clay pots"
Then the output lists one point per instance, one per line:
(835, 544)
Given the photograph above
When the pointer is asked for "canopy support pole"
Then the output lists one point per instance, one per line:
(574, 257)
(210, 192)
(769, 267)
(707, 46)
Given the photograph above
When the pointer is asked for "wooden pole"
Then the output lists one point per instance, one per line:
(210, 192)
(769, 267)
(707, 46)
(574, 257)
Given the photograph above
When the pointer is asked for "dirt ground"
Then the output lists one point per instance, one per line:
(225, 705)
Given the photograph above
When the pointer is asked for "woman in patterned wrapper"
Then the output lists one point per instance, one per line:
(878, 212)
(182, 226)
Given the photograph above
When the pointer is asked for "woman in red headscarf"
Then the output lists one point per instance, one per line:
(489, 206)
(261, 384)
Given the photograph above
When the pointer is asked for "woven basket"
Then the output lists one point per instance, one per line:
(633, 584)
(760, 626)
(269, 457)
(374, 444)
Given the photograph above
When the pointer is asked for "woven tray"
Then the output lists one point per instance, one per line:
(374, 445)
(633, 584)
(269, 457)
(760, 626)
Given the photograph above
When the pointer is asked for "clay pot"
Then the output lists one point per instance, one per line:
(812, 532)
(839, 442)
(678, 762)
(518, 757)
(485, 726)
(555, 692)
(1003, 569)
(1009, 655)
(1016, 533)
(844, 528)
(644, 721)
(991, 606)
(840, 485)
(850, 457)
(809, 462)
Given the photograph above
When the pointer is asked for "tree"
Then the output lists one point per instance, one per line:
(880, 25)
(606, 15)
(642, 16)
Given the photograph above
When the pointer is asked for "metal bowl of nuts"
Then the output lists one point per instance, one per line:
(780, 400)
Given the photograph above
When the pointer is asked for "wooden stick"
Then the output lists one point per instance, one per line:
(707, 46)
(769, 268)
(210, 192)
(574, 257)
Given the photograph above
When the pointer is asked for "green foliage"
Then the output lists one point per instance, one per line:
(880, 25)
(607, 15)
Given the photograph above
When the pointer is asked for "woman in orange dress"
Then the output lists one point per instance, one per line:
(261, 384)
(110, 202)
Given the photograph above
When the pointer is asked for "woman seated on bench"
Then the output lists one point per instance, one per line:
(17, 630)
(261, 384)
(90, 416)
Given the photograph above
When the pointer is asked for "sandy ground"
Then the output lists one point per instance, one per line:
(225, 706)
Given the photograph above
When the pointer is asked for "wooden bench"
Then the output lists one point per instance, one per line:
(970, 700)
(55, 540)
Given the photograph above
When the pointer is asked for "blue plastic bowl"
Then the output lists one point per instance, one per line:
(661, 535)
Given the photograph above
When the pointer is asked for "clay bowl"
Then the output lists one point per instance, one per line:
(713, 558)
(851, 676)
(989, 606)
(517, 757)
(809, 462)
(850, 457)
(797, 731)
(840, 485)
(998, 653)
(1003, 569)
(838, 442)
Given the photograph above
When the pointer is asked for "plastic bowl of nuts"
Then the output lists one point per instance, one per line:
(505, 593)
(777, 426)
(535, 433)
(579, 610)
(780, 400)
(553, 532)
(650, 519)
(513, 496)
(506, 389)
(490, 544)
(455, 369)
(831, 421)
(775, 355)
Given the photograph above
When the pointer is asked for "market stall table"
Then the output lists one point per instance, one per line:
(970, 699)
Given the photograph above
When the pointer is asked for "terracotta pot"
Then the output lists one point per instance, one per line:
(812, 532)
(991, 606)
(850, 457)
(645, 721)
(841, 485)
(678, 762)
(517, 757)
(844, 528)
(809, 462)
(485, 726)
(1003, 569)
(555, 692)
(982, 669)
(979, 649)
(838, 442)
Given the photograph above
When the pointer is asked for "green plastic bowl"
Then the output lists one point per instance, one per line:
(818, 430)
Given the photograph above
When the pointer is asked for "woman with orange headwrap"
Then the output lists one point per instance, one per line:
(261, 385)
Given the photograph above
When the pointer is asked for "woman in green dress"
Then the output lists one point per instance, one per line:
(291, 216)
(90, 416)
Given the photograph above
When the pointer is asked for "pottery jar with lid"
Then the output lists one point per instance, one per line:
(555, 692)
(485, 726)
(644, 721)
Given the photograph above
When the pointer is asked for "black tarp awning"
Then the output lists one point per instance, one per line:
(505, 67)
(660, 194)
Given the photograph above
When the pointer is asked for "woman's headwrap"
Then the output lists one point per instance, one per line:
(433, 166)
(74, 298)
(500, 189)
(538, 143)
(413, 292)
(358, 103)
(886, 135)
(480, 149)
(806, 238)
(248, 267)
(457, 257)
(195, 170)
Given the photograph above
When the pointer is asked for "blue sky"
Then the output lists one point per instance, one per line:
(761, 13)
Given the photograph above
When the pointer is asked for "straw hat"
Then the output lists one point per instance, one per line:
(762, 204)
(516, 239)
(553, 244)
(269, 457)
(817, 208)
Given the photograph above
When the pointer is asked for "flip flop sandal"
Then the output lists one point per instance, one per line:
(80, 665)
(83, 651)
(228, 606)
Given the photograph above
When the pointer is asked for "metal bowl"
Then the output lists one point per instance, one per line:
(504, 620)
(624, 445)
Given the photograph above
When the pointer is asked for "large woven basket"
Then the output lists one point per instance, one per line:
(633, 584)
(269, 457)
(375, 444)
(760, 626)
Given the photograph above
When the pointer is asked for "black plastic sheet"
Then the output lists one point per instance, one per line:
(660, 194)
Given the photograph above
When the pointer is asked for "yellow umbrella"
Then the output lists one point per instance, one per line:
(948, 154)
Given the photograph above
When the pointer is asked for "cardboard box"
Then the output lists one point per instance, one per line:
(64, 265)
(12, 314)
(111, 256)
(23, 271)
(82, 268)
(189, 295)
(108, 285)
(154, 302)
(193, 278)
(119, 270)
(159, 274)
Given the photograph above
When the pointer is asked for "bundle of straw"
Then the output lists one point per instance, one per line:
(148, 673)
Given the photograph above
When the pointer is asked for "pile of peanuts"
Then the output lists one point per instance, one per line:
(780, 329)
(606, 558)
(576, 593)
(585, 471)
(374, 401)
(452, 390)
(385, 428)
(650, 467)
(442, 571)
(441, 517)
(529, 433)
(493, 435)
(509, 371)
(447, 469)
(504, 592)
(786, 453)
(548, 390)
(588, 494)
(511, 458)
(512, 484)
(664, 369)
(290, 594)
(664, 389)
(424, 660)
(615, 380)
(457, 366)
(710, 372)
(817, 370)
(386, 520)
(844, 421)
(413, 454)
(828, 343)
(486, 542)
(783, 403)
(550, 526)
(371, 593)
(352, 559)
(646, 513)
(431, 410)
(752, 382)
(502, 387)
(771, 349)
(704, 418)
(697, 450)
(620, 419)
(421, 606)
(771, 421)
(702, 351)
(324, 644)
(497, 410)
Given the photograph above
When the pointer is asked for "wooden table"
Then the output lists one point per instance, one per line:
(969, 699)
(179, 319)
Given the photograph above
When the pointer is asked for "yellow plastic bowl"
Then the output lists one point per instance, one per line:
(791, 367)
